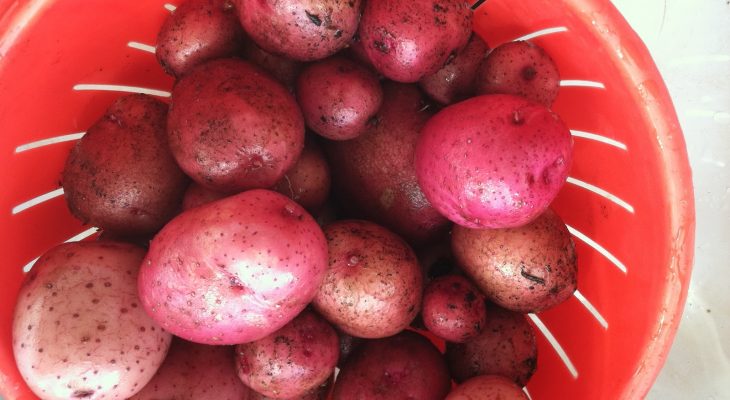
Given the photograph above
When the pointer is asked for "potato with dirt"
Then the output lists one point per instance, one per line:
(303, 30)
(79, 330)
(121, 176)
(493, 161)
(453, 309)
(319, 393)
(235, 270)
(487, 387)
(196, 32)
(232, 127)
(373, 285)
(194, 371)
(404, 366)
(292, 361)
(284, 70)
(308, 181)
(455, 81)
(505, 347)
(374, 176)
(407, 40)
(527, 269)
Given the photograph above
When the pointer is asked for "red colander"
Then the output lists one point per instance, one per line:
(628, 201)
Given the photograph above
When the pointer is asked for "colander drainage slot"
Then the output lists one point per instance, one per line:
(49, 141)
(598, 138)
(554, 343)
(591, 309)
(78, 237)
(592, 243)
(141, 46)
(170, 7)
(601, 192)
(121, 88)
(541, 32)
(582, 83)
(37, 200)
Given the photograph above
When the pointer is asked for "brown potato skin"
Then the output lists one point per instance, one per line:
(505, 347)
(373, 285)
(121, 176)
(308, 181)
(455, 81)
(487, 387)
(526, 269)
(404, 366)
(232, 127)
(196, 32)
(374, 175)
(453, 308)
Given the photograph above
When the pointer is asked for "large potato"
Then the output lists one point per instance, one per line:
(304, 30)
(194, 371)
(407, 40)
(493, 161)
(526, 269)
(121, 175)
(373, 284)
(487, 387)
(374, 175)
(234, 270)
(405, 366)
(232, 127)
(78, 330)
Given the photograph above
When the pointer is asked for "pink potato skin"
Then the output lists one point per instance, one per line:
(235, 270)
(455, 81)
(453, 309)
(373, 285)
(522, 69)
(78, 330)
(374, 174)
(407, 40)
(303, 30)
(308, 181)
(232, 127)
(527, 269)
(194, 371)
(283, 69)
(292, 361)
(196, 32)
(487, 387)
(197, 195)
(338, 97)
(404, 366)
(493, 161)
(505, 347)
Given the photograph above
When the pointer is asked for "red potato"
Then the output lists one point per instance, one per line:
(292, 361)
(318, 393)
(526, 269)
(493, 161)
(520, 68)
(505, 347)
(232, 127)
(356, 52)
(197, 195)
(374, 175)
(407, 40)
(405, 366)
(348, 344)
(195, 372)
(373, 284)
(196, 32)
(308, 181)
(121, 175)
(78, 331)
(487, 387)
(453, 309)
(455, 81)
(338, 97)
(235, 270)
(304, 30)
(285, 70)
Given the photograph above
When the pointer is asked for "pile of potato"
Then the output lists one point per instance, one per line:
(335, 183)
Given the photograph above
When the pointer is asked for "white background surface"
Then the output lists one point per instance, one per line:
(690, 43)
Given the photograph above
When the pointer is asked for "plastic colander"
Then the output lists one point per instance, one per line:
(628, 201)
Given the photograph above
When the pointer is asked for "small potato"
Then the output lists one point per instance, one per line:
(197, 195)
(404, 366)
(304, 30)
(78, 330)
(235, 270)
(318, 393)
(338, 97)
(505, 347)
(196, 32)
(121, 176)
(292, 361)
(195, 372)
(407, 40)
(493, 161)
(520, 68)
(232, 127)
(526, 269)
(453, 309)
(285, 70)
(455, 81)
(373, 284)
(308, 181)
(487, 387)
